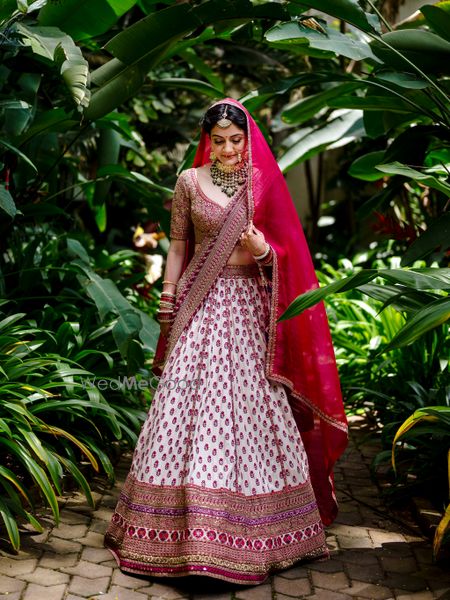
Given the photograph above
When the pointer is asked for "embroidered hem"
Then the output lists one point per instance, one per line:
(172, 531)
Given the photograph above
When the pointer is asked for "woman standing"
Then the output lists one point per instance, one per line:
(232, 473)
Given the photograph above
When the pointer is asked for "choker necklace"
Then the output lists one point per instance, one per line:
(229, 177)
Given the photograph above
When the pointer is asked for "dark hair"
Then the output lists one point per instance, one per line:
(214, 114)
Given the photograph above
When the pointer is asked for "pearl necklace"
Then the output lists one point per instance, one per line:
(229, 177)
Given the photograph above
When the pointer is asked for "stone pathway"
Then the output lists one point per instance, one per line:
(373, 557)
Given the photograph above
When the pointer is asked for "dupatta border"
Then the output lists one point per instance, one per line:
(204, 268)
(269, 366)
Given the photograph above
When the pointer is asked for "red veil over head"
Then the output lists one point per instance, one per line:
(300, 353)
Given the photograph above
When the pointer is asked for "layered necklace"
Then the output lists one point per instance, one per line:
(229, 177)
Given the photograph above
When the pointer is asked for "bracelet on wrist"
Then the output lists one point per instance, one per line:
(268, 260)
(165, 317)
(264, 254)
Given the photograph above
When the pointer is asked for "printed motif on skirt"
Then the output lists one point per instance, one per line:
(219, 481)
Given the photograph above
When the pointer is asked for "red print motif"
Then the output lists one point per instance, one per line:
(234, 429)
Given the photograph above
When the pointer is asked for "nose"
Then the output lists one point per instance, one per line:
(228, 147)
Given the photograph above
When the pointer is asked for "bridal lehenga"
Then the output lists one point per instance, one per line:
(220, 481)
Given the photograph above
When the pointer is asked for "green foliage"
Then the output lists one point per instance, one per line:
(439, 435)
(68, 326)
(431, 309)
(98, 113)
(50, 422)
(404, 388)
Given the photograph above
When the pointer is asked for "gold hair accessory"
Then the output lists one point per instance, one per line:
(223, 122)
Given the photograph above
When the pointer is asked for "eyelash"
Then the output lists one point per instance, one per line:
(234, 142)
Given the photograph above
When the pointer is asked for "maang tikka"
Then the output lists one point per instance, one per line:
(223, 122)
(228, 177)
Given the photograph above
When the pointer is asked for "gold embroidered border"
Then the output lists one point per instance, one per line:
(269, 363)
(195, 564)
(204, 268)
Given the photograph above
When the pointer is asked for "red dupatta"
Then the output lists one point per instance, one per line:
(300, 353)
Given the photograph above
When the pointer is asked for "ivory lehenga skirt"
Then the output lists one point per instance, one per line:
(219, 481)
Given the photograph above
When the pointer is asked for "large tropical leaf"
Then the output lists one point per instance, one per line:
(190, 55)
(342, 127)
(347, 10)
(54, 45)
(84, 18)
(396, 168)
(297, 33)
(140, 47)
(419, 279)
(371, 102)
(364, 167)
(55, 119)
(429, 317)
(439, 20)
(7, 8)
(427, 50)
(19, 153)
(7, 203)
(108, 299)
(312, 297)
(193, 85)
(436, 237)
(305, 108)
(74, 70)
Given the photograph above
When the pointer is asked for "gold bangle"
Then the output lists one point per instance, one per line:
(167, 281)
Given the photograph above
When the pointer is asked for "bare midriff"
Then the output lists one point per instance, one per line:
(239, 256)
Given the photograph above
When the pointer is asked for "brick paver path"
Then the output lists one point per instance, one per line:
(373, 557)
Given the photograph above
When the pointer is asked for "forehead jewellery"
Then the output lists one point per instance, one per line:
(223, 122)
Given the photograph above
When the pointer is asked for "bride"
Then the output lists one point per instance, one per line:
(232, 473)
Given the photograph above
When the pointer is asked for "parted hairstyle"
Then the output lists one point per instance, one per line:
(214, 114)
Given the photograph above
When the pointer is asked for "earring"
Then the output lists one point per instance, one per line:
(212, 156)
(239, 157)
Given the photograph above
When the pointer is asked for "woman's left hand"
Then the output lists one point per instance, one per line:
(253, 239)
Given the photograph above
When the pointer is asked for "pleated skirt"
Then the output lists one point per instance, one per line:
(219, 482)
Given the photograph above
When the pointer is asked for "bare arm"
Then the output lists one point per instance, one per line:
(174, 263)
(172, 272)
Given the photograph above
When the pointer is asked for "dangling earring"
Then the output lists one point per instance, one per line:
(239, 157)
(212, 156)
